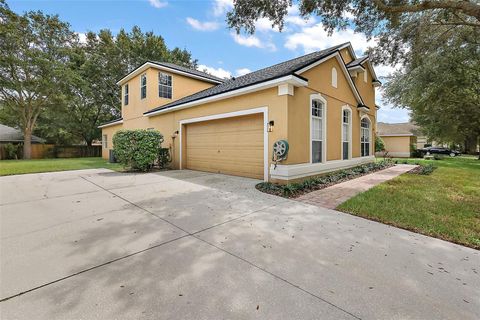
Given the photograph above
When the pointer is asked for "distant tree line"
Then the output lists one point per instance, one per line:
(61, 86)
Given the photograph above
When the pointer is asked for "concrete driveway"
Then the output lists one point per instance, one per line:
(96, 244)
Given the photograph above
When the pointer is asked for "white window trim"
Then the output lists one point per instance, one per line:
(126, 94)
(318, 96)
(347, 107)
(141, 86)
(160, 72)
(365, 76)
(369, 134)
(263, 110)
(105, 141)
(334, 77)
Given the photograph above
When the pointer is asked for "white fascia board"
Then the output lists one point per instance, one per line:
(110, 124)
(290, 79)
(350, 49)
(147, 65)
(355, 68)
(337, 55)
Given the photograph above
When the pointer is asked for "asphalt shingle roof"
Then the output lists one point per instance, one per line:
(9, 134)
(188, 70)
(397, 128)
(356, 62)
(276, 71)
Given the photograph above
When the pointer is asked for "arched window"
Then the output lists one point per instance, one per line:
(317, 128)
(346, 133)
(365, 76)
(365, 135)
(334, 77)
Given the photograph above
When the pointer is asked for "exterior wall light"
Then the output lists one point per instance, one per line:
(271, 124)
(175, 134)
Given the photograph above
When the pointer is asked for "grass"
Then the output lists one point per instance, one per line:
(444, 204)
(10, 167)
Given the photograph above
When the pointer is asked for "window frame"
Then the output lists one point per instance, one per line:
(126, 90)
(160, 85)
(105, 141)
(318, 97)
(369, 131)
(142, 86)
(348, 109)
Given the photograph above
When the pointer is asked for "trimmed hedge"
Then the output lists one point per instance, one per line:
(296, 189)
(137, 149)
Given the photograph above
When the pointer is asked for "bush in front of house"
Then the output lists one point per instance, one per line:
(137, 149)
(379, 144)
(295, 189)
(11, 150)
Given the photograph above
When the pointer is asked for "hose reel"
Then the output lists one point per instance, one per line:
(280, 151)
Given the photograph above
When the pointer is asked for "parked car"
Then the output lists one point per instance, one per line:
(440, 150)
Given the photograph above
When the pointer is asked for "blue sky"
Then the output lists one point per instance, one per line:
(199, 26)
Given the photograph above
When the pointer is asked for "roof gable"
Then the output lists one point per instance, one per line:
(171, 68)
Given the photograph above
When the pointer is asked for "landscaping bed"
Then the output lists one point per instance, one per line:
(296, 189)
(443, 204)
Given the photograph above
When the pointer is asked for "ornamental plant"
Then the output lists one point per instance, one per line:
(137, 149)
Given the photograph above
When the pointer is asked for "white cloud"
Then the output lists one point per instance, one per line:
(252, 41)
(220, 7)
(242, 71)
(265, 25)
(82, 37)
(202, 26)
(158, 3)
(316, 38)
(218, 72)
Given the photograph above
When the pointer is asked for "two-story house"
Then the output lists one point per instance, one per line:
(322, 104)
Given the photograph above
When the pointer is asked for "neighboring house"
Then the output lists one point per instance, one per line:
(400, 138)
(15, 136)
(322, 103)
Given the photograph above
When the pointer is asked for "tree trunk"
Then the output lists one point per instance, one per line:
(471, 144)
(27, 144)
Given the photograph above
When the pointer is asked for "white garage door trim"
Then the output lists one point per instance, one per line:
(263, 110)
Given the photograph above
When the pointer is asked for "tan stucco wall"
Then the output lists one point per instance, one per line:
(291, 114)
(319, 81)
(109, 131)
(182, 86)
(397, 144)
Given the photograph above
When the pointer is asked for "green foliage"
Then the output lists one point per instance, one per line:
(137, 149)
(11, 150)
(398, 26)
(379, 144)
(164, 157)
(292, 190)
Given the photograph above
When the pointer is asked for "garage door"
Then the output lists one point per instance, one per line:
(230, 146)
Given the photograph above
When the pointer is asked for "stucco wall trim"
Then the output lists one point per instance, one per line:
(263, 110)
(295, 171)
(290, 79)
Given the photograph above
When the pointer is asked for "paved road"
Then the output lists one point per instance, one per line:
(95, 244)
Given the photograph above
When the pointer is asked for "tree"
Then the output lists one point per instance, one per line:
(32, 64)
(442, 90)
(394, 23)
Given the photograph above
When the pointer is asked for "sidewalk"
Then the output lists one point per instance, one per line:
(333, 196)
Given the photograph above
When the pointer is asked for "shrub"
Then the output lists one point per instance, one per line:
(164, 157)
(11, 151)
(137, 149)
(423, 169)
(379, 144)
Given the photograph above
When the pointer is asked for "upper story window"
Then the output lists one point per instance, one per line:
(143, 86)
(125, 94)
(164, 85)
(334, 77)
(317, 124)
(346, 133)
(365, 137)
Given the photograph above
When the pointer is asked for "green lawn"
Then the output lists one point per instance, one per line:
(445, 204)
(9, 167)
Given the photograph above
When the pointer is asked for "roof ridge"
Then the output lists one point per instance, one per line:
(187, 68)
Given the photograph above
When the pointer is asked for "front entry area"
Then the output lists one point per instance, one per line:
(233, 145)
